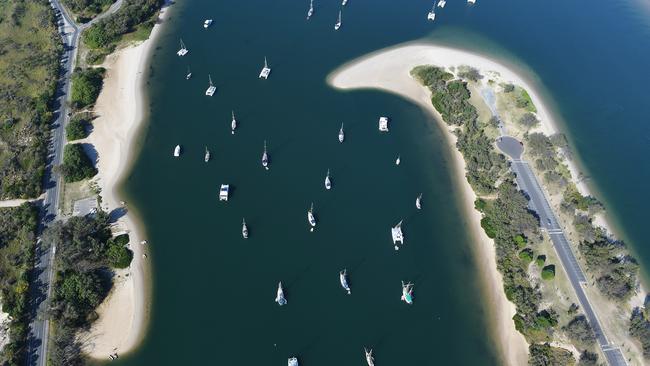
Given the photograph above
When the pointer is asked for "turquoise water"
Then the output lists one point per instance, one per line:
(213, 292)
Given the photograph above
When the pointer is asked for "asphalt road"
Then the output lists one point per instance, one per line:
(528, 183)
(43, 267)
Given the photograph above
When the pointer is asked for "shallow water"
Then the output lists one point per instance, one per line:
(214, 291)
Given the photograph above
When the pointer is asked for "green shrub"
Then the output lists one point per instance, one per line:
(541, 259)
(86, 85)
(526, 255)
(487, 226)
(579, 330)
(117, 254)
(76, 164)
(76, 129)
(521, 241)
(548, 272)
(545, 355)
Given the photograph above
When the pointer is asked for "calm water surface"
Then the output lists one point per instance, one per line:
(213, 291)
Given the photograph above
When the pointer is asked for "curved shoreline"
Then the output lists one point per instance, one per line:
(120, 109)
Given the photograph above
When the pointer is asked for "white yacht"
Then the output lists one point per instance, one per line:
(279, 298)
(471, 1)
(369, 359)
(341, 134)
(344, 2)
(432, 13)
(223, 192)
(292, 361)
(211, 89)
(310, 12)
(265, 158)
(233, 124)
(442, 3)
(206, 157)
(337, 26)
(310, 217)
(207, 23)
(266, 70)
(418, 202)
(398, 237)
(398, 160)
(343, 277)
(328, 181)
(244, 229)
(177, 151)
(189, 74)
(183, 51)
(383, 124)
(407, 292)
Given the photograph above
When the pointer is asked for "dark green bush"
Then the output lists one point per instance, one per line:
(76, 164)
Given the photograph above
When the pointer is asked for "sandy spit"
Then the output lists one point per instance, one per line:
(389, 70)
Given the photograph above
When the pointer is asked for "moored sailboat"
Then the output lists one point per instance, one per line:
(310, 12)
(265, 158)
(211, 88)
(279, 297)
(244, 229)
(442, 3)
(328, 181)
(344, 280)
(369, 359)
(398, 160)
(418, 202)
(266, 70)
(183, 50)
(189, 74)
(432, 13)
(233, 123)
(337, 26)
(206, 157)
(407, 293)
(292, 361)
(396, 233)
(310, 217)
(177, 151)
(341, 134)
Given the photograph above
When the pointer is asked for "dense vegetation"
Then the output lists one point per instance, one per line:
(76, 164)
(17, 239)
(87, 9)
(29, 53)
(77, 127)
(580, 332)
(86, 255)
(640, 327)
(506, 217)
(132, 16)
(86, 85)
(545, 355)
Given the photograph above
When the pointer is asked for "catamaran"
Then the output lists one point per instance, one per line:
(310, 217)
(183, 51)
(344, 280)
(223, 192)
(398, 237)
(177, 151)
(211, 89)
(407, 293)
(338, 22)
(328, 181)
(442, 3)
(265, 158)
(341, 134)
(233, 124)
(279, 298)
(432, 13)
(418, 202)
(266, 70)
(398, 160)
(293, 362)
(369, 359)
(206, 157)
(310, 12)
(207, 23)
(189, 74)
(383, 124)
(244, 229)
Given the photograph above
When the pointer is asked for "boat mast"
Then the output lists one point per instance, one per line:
(210, 79)
(266, 66)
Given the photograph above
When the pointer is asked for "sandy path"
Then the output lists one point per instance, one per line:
(123, 315)
(389, 70)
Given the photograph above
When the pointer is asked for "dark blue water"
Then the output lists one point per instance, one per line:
(213, 292)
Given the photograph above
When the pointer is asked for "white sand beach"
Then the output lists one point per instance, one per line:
(123, 315)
